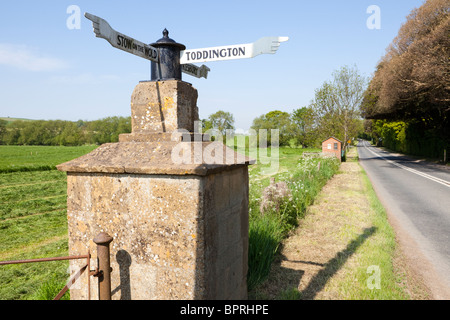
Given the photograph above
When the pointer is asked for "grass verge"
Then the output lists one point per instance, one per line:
(302, 178)
(344, 249)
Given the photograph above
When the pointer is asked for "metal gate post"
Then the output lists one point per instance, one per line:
(104, 267)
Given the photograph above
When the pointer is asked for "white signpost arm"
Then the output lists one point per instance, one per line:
(266, 45)
(103, 30)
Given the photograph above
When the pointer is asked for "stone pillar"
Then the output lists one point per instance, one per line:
(180, 228)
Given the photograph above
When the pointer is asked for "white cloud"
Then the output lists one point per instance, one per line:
(26, 58)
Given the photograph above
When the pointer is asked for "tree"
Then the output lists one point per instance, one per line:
(108, 129)
(412, 79)
(221, 121)
(3, 129)
(275, 120)
(337, 104)
(412, 83)
(304, 126)
(206, 125)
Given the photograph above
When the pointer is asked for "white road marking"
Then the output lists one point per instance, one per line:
(438, 180)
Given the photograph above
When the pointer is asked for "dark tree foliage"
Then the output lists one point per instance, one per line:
(413, 78)
(412, 83)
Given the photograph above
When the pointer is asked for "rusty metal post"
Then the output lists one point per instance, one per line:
(104, 267)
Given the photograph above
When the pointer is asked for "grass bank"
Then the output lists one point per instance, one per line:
(37, 158)
(344, 248)
(277, 200)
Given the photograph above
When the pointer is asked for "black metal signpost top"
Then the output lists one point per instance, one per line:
(168, 66)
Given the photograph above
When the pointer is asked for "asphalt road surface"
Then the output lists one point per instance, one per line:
(416, 195)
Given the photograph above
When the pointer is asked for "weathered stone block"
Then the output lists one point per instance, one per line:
(179, 228)
(160, 224)
(163, 106)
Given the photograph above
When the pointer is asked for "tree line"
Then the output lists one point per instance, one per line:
(333, 112)
(406, 105)
(63, 133)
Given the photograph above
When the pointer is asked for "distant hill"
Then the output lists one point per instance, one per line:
(9, 119)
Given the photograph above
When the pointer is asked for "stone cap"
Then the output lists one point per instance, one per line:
(200, 158)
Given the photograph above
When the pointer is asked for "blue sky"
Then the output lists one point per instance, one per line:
(51, 72)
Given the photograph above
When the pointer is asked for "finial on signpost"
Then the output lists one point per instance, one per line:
(168, 66)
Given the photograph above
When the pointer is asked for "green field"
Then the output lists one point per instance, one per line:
(33, 219)
(37, 158)
(33, 213)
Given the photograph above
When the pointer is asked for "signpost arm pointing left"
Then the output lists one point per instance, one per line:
(103, 30)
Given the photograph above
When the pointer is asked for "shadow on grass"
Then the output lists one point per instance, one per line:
(283, 278)
(319, 281)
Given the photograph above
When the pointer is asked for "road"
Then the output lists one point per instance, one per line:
(416, 195)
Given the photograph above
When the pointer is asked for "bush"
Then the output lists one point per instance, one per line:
(416, 137)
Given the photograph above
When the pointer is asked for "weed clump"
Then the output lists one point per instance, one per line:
(274, 195)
